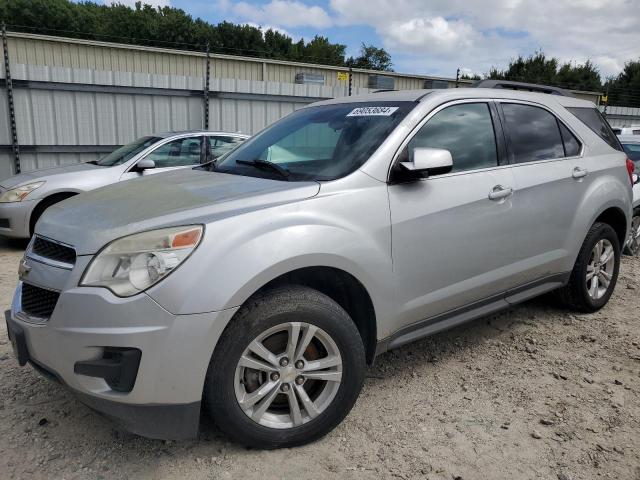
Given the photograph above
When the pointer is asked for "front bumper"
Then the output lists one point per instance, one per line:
(175, 353)
(14, 218)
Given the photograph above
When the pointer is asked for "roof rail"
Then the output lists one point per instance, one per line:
(529, 87)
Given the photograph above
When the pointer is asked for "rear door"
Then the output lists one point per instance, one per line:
(551, 178)
(451, 233)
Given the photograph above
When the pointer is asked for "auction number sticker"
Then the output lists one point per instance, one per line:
(372, 112)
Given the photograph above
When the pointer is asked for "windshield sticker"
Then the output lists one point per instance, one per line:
(372, 112)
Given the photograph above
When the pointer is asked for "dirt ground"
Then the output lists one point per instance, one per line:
(536, 392)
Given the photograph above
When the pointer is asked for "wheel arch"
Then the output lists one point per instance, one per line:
(344, 289)
(46, 202)
(616, 218)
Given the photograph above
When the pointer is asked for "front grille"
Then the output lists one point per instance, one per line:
(38, 302)
(4, 223)
(53, 251)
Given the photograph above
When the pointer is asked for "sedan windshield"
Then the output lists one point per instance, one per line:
(317, 143)
(127, 152)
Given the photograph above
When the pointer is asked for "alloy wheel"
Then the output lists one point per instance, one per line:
(600, 269)
(288, 375)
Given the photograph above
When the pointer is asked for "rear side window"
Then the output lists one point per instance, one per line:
(591, 118)
(533, 133)
(466, 130)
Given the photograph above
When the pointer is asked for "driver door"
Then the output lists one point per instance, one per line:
(185, 152)
(451, 232)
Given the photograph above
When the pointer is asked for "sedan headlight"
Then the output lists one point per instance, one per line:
(18, 194)
(132, 264)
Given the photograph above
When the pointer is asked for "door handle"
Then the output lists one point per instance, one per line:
(579, 172)
(499, 192)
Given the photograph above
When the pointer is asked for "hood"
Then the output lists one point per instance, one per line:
(91, 220)
(47, 174)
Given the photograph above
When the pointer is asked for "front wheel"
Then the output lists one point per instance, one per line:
(595, 272)
(286, 371)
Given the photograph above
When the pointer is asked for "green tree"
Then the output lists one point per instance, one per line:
(624, 90)
(161, 27)
(371, 58)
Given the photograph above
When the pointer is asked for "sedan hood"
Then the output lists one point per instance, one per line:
(91, 220)
(47, 174)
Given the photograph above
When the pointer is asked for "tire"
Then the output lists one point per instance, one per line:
(579, 294)
(271, 318)
(633, 245)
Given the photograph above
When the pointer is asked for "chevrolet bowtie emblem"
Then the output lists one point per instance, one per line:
(23, 269)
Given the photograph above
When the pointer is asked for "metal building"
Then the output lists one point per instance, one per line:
(75, 99)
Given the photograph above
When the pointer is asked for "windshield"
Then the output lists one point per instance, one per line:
(317, 143)
(127, 152)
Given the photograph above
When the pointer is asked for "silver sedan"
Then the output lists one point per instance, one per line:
(24, 197)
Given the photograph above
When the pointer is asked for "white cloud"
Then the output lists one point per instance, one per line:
(287, 13)
(440, 35)
(264, 28)
(132, 3)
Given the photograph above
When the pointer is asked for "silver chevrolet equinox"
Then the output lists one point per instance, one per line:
(256, 289)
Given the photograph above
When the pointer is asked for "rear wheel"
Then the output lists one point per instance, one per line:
(286, 371)
(595, 272)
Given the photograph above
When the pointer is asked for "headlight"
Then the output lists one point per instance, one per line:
(132, 264)
(18, 194)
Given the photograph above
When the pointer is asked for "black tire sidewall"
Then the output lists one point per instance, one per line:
(275, 308)
(602, 231)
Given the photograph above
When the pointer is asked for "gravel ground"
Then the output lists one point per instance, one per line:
(536, 392)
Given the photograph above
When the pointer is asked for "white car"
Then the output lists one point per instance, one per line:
(25, 197)
(624, 131)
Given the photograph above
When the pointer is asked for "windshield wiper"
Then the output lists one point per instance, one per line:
(283, 172)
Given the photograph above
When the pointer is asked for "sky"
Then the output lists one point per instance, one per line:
(435, 37)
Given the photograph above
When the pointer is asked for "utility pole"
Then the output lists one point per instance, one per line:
(457, 77)
(206, 91)
(11, 107)
(350, 80)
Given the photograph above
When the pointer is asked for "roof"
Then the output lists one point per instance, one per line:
(209, 132)
(457, 93)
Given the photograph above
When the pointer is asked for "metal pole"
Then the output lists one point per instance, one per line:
(206, 91)
(457, 77)
(11, 107)
(350, 80)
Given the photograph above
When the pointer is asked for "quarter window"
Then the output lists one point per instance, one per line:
(571, 143)
(591, 118)
(533, 133)
(466, 130)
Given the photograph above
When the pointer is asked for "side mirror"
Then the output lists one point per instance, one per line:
(432, 161)
(145, 164)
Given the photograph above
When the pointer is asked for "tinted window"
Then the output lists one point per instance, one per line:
(632, 150)
(571, 143)
(466, 130)
(533, 133)
(324, 142)
(178, 153)
(591, 118)
(221, 145)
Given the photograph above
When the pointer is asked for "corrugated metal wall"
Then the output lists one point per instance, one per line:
(98, 95)
(622, 116)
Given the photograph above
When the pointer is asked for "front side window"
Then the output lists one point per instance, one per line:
(177, 153)
(324, 142)
(466, 130)
(127, 152)
(533, 133)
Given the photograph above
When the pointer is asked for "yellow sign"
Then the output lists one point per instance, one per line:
(604, 98)
(343, 76)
